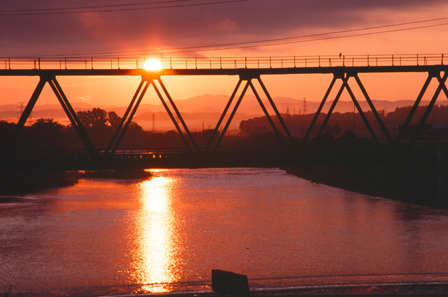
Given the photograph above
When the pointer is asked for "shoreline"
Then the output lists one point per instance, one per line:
(393, 289)
(21, 183)
(423, 183)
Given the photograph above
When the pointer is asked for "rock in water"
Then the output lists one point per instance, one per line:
(227, 282)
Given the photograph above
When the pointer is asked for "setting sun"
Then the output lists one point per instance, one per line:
(153, 64)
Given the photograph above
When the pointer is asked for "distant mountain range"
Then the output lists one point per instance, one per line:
(201, 111)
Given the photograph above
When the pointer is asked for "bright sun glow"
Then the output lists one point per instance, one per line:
(153, 64)
(154, 259)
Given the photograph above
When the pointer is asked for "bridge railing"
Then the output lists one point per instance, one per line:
(147, 151)
(227, 62)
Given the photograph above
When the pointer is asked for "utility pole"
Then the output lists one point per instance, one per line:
(153, 122)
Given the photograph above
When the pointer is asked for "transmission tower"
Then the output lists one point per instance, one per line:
(21, 108)
(304, 105)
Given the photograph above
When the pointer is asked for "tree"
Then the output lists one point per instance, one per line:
(47, 134)
(97, 117)
(101, 125)
(47, 124)
(113, 119)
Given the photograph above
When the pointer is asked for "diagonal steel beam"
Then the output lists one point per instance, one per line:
(66, 104)
(229, 120)
(71, 114)
(333, 105)
(125, 116)
(443, 85)
(413, 109)
(313, 122)
(26, 113)
(266, 113)
(372, 107)
(277, 113)
(430, 106)
(179, 116)
(361, 113)
(173, 119)
(131, 115)
(29, 107)
(223, 114)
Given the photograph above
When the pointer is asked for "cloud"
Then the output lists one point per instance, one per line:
(96, 32)
(85, 98)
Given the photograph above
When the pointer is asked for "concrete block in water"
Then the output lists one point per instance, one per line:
(231, 283)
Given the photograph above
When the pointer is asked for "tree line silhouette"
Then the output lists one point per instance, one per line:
(100, 125)
(349, 123)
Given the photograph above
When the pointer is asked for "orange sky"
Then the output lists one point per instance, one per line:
(143, 29)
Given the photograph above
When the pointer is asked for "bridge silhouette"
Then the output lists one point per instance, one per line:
(250, 71)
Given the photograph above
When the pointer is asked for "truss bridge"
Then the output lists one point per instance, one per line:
(345, 71)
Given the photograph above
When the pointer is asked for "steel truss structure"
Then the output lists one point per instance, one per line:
(247, 77)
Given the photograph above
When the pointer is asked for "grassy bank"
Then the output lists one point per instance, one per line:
(24, 182)
(421, 181)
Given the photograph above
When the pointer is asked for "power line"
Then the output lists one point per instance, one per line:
(92, 7)
(329, 33)
(111, 8)
(311, 40)
(283, 41)
(277, 41)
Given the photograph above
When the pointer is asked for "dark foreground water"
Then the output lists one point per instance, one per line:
(166, 233)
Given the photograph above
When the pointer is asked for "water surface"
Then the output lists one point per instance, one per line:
(166, 233)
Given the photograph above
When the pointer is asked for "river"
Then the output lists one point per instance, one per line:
(166, 233)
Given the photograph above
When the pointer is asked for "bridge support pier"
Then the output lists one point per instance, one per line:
(26, 112)
(345, 77)
(71, 114)
(179, 116)
(441, 80)
(441, 87)
(135, 103)
(260, 102)
(125, 122)
(68, 109)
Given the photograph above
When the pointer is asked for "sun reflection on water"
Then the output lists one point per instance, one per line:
(154, 259)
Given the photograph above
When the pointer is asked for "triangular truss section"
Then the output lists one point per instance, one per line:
(166, 101)
(344, 77)
(245, 83)
(442, 86)
(68, 109)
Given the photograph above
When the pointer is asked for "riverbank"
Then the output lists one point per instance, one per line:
(410, 289)
(20, 183)
(418, 179)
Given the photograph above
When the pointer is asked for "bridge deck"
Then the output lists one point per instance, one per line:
(244, 72)
(236, 157)
(224, 66)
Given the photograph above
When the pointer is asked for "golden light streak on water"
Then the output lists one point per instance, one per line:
(154, 255)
